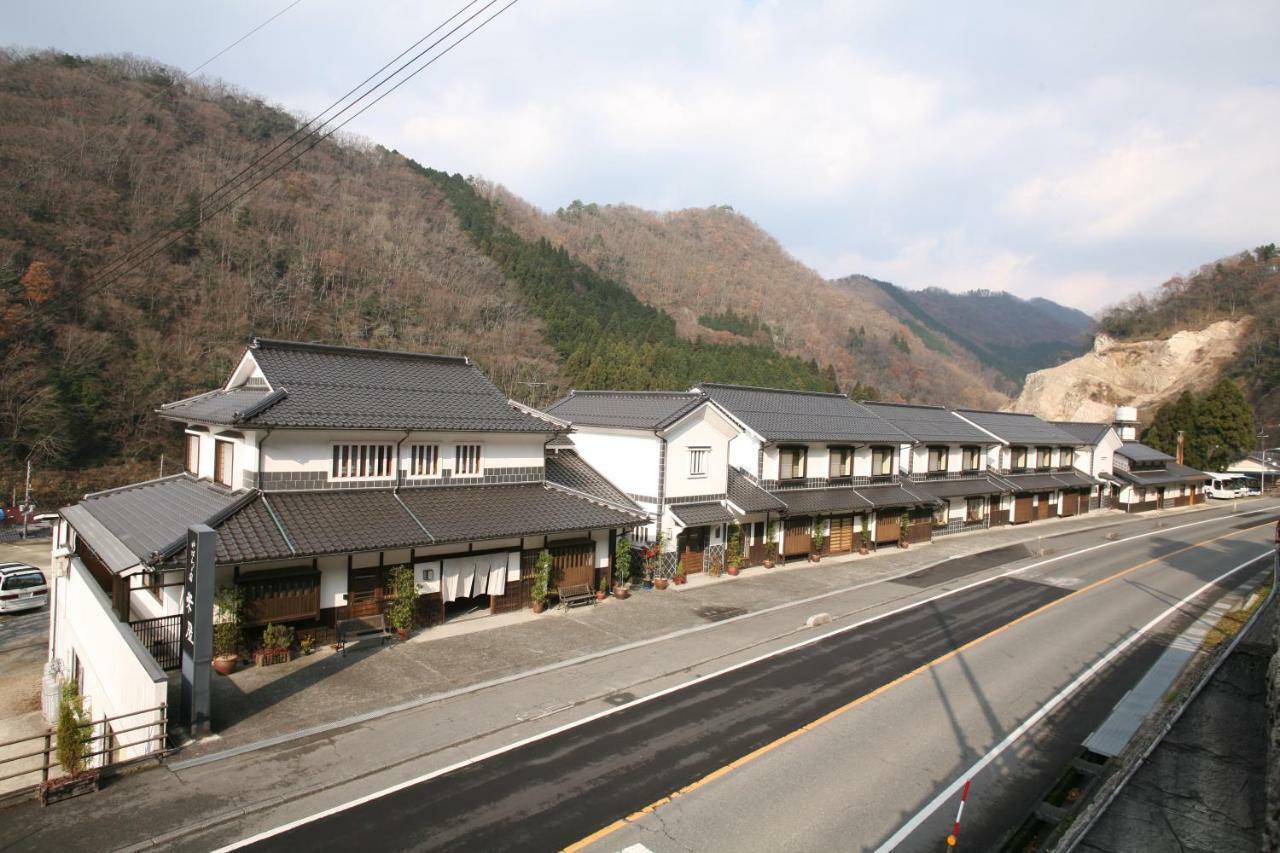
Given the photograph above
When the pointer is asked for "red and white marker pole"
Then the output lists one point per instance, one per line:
(955, 830)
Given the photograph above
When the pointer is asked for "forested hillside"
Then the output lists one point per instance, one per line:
(1010, 335)
(354, 244)
(722, 278)
(1244, 286)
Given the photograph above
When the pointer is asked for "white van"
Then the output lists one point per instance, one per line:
(1228, 486)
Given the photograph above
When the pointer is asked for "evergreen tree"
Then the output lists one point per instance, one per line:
(1225, 426)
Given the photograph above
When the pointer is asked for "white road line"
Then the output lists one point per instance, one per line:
(378, 713)
(573, 724)
(950, 791)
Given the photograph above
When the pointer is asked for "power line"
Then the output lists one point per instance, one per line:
(122, 261)
(210, 60)
(116, 277)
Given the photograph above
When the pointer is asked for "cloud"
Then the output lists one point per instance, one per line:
(1080, 151)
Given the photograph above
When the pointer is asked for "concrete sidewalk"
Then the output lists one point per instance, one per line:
(263, 704)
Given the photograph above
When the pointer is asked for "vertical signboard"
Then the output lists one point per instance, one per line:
(197, 629)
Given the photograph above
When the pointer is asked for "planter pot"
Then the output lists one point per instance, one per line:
(271, 657)
(539, 606)
(903, 545)
(402, 633)
(225, 664)
(621, 592)
(862, 550)
(66, 787)
(601, 595)
(646, 584)
(815, 558)
(660, 583)
(768, 564)
(733, 571)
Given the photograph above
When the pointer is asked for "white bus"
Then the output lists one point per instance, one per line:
(1227, 486)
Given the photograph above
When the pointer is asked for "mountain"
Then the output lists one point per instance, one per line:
(1223, 321)
(352, 244)
(1010, 335)
(723, 278)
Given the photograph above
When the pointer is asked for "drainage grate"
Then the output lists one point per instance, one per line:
(712, 613)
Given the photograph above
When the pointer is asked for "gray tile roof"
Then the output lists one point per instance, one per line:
(747, 495)
(150, 519)
(342, 521)
(1031, 482)
(694, 515)
(1017, 428)
(625, 409)
(779, 415)
(896, 495)
(561, 442)
(1136, 451)
(930, 423)
(809, 501)
(566, 468)
(1075, 479)
(959, 488)
(323, 386)
(1170, 474)
(1087, 431)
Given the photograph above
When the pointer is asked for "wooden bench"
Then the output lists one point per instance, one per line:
(361, 628)
(577, 593)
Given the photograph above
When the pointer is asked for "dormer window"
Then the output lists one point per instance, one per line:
(424, 460)
(698, 461)
(223, 457)
(938, 459)
(361, 461)
(841, 462)
(972, 458)
(791, 462)
(193, 455)
(466, 460)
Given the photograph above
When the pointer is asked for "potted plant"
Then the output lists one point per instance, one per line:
(307, 643)
(660, 583)
(603, 592)
(73, 737)
(277, 641)
(816, 541)
(541, 593)
(679, 577)
(904, 524)
(865, 540)
(733, 551)
(228, 605)
(622, 569)
(771, 545)
(400, 609)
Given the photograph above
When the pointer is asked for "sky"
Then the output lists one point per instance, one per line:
(1077, 151)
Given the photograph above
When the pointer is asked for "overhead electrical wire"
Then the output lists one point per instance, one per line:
(271, 152)
(270, 161)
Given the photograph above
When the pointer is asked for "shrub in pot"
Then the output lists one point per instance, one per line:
(904, 524)
(603, 591)
(400, 608)
(679, 577)
(622, 568)
(865, 541)
(277, 641)
(733, 551)
(541, 592)
(816, 542)
(74, 736)
(228, 605)
(771, 546)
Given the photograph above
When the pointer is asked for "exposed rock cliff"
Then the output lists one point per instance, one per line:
(1135, 373)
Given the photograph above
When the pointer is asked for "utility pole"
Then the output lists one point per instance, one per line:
(26, 500)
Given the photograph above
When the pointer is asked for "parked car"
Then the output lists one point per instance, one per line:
(22, 587)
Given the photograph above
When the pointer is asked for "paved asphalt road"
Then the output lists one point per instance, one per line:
(851, 782)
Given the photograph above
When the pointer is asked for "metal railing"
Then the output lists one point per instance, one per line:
(162, 638)
(101, 743)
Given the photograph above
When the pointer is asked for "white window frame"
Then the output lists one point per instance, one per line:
(940, 453)
(798, 452)
(698, 459)
(839, 461)
(965, 451)
(375, 458)
(424, 460)
(887, 454)
(194, 470)
(472, 454)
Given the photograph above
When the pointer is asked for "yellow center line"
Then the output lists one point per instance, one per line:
(867, 697)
